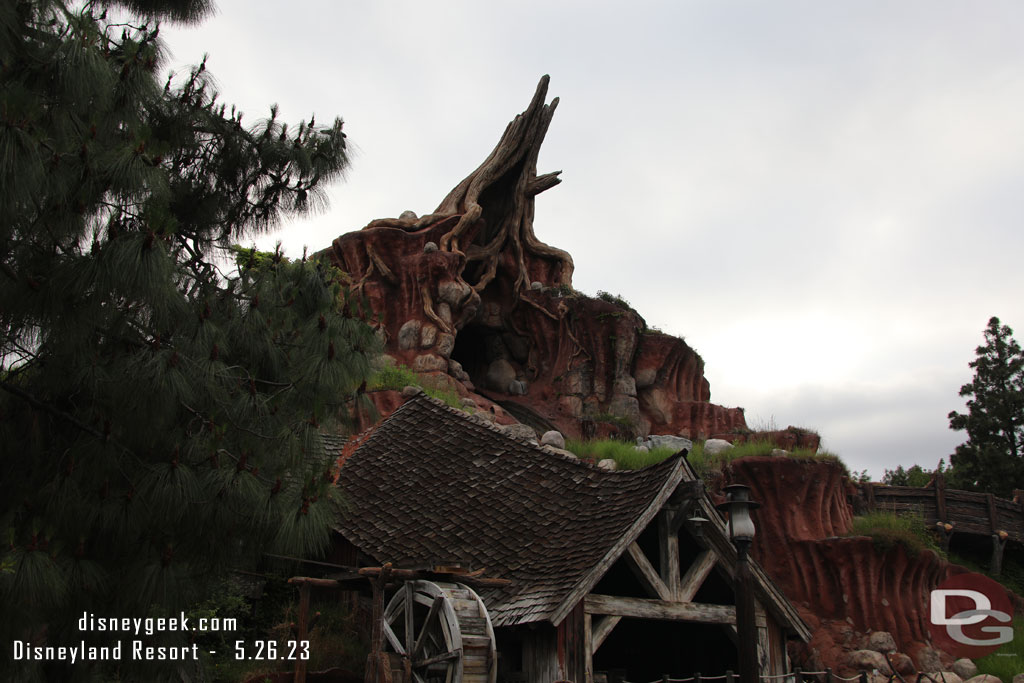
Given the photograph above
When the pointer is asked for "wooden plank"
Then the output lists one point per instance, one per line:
(699, 570)
(659, 609)
(869, 494)
(602, 630)
(435, 610)
(645, 572)
(668, 552)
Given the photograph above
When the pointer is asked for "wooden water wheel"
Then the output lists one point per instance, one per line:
(443, 631)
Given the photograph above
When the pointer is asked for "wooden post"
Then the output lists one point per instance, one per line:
(940, 497)
(869, 494)
(993, 513)
(798, 675)
(863, 677)
(998, 545)
(300, 664)
(729, 677)
(374, 668)
(828, 674)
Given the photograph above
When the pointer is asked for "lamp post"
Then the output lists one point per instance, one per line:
(741, 532)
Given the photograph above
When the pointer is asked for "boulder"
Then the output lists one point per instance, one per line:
(409, 390)
(409, 335)
(868, 660)
(928, 660)
(903, 664)
(429, 248)
(716, 446)
(1019, 678)
(947, 677)
(881, 641)
(983, 678)
(407, 215)
(607, 464)
(517, 387)
(553, 438)
(428, 336)
(561, 451)
(500, 374)
(520, 431)
(428, 362)
(965, 668)
(676, 443)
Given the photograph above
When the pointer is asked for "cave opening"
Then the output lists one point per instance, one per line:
(470, 351)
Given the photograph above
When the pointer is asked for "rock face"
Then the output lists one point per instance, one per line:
(470, 293)
(842, 585)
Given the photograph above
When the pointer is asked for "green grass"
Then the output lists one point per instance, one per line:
(1008, 660)
(625, 454)
(397, 377)
(704, 464)
(888, 530)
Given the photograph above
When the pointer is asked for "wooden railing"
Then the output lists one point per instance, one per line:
(952, 511)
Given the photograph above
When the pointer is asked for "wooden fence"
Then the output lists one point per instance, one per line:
(953, 511)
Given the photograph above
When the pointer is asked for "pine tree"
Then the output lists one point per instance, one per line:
(992, 459)
(159, 406)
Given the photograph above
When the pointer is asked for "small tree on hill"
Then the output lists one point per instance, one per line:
(992, 459)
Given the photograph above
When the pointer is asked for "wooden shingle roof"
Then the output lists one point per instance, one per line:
(433, 485)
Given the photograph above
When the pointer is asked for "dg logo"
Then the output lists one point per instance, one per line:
(970, 615)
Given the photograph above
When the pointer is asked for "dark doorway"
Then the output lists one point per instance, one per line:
(646, 649)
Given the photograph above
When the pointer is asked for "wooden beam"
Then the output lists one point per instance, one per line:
(588, 647)
(699, 570)
(940, 498)
(602, 630)
(668, 550)
(646, 573)
(659, 609)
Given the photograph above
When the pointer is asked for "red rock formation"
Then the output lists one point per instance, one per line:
(844, 585)
(471, 296)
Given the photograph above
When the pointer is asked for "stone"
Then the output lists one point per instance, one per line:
(642, 449)
(983, 678)
(428, 336)
(520, 431)
(408, 391)
(408, 215)
(468, 402)
(868, 660)
(429, 248)
(676, 443)
(536, 286)
(779, 452)
(553, 438)
(881, 641)
(716, 446)
(965, 668)
(409, 335)
(903, 664)
(607, 464)
(428, 362)
(500, 374)
(517, 388)
(444, 312)
(457, 371)
(645, 377)
(928, 660)
(445, 344)
(1019, 678)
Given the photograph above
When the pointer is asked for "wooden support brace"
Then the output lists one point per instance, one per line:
(695, 575)
(645, 572)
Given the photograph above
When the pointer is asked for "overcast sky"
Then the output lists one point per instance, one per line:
(823, 198)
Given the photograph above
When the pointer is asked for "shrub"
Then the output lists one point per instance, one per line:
(613, 299)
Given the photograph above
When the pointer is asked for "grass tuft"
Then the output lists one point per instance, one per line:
(625, 454)
(888, 530)
(397, 377)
